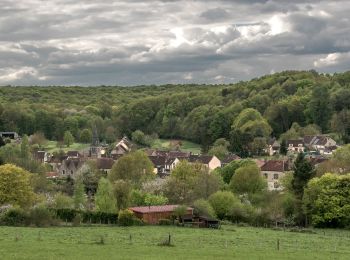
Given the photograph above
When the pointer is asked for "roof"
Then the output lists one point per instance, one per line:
(151, 209)
(77, 163)
(295, 142)
(205, 159)
(161, 160)
(39, 155)
(52, 175)
(73, 154)
(275, 166)
(317, 160)
(230, 158)
(58, 159)
(104, 163)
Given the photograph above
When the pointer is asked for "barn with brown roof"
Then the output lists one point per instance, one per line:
(152, 214)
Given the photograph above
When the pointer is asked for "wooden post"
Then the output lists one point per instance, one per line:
(169, 239)
(278, 244)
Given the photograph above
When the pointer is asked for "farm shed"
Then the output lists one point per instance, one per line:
(152, 214)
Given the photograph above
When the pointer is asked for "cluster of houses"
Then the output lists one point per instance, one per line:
(314, 144)
(73, 163)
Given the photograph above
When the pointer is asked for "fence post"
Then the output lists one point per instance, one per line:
(278, 244)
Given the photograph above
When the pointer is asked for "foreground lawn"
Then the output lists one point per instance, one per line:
(230, 242)
(186, 146)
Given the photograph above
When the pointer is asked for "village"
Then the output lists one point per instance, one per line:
(273, 166)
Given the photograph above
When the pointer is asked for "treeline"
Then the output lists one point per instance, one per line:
(286, 104)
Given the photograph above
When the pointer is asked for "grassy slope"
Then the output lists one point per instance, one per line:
(51, 146)
(186, 146)
(228, 243)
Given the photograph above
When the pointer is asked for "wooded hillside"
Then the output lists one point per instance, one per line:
(199, 113)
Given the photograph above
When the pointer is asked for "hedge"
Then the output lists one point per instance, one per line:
(69, 215)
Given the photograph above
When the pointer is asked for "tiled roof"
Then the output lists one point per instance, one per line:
(151, 209)
(275, 166)
(104, 163)
(295, 142)
(73, 154)
(52, 175)
(229, 158)
(205, 159)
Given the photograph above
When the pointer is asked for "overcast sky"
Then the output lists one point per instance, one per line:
(86, 42)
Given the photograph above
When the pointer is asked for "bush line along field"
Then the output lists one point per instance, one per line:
(229, 242)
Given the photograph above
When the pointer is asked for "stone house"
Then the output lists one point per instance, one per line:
(273, 171)
(163, 165)
(273, 147)
(122, 147)
(296, 146)
(322, 144)
(212, 162)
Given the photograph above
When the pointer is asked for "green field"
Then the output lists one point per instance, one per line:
(230, 242)
(186, 146)
(51, 146)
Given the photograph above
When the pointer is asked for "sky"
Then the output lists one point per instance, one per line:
(134, 42)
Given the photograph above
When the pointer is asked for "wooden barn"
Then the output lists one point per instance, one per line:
(152, 214)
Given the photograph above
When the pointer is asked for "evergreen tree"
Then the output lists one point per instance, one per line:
(303, 172)
(283, 147)
(2, 142)
(104, 198)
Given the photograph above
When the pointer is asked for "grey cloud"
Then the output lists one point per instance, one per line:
(152, 42)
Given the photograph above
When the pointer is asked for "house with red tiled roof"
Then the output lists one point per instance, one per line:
(273, 171)
(152, 214)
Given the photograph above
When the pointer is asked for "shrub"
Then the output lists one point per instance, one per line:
(14, 217)
(99, 217)
(203, 208)
(126, 217)
(65, 214)
(41, 217)
(165, 222)
(222, 202)
(77, 220)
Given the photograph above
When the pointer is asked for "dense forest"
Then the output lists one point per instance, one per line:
(283, 105)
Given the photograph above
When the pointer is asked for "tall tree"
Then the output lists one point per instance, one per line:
(68, 138)
(104, 198)
(134, 167)
(303, 171)
(25, 147)
(319, 106)
(79, 195)
(15, 186)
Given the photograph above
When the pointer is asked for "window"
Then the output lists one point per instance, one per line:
(275, 176)
(71, 172)
(266, 175)
(63, 172)
(276, 185)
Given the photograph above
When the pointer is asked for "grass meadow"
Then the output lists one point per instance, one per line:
(186, 146)
(229, 242)
(51, 146)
